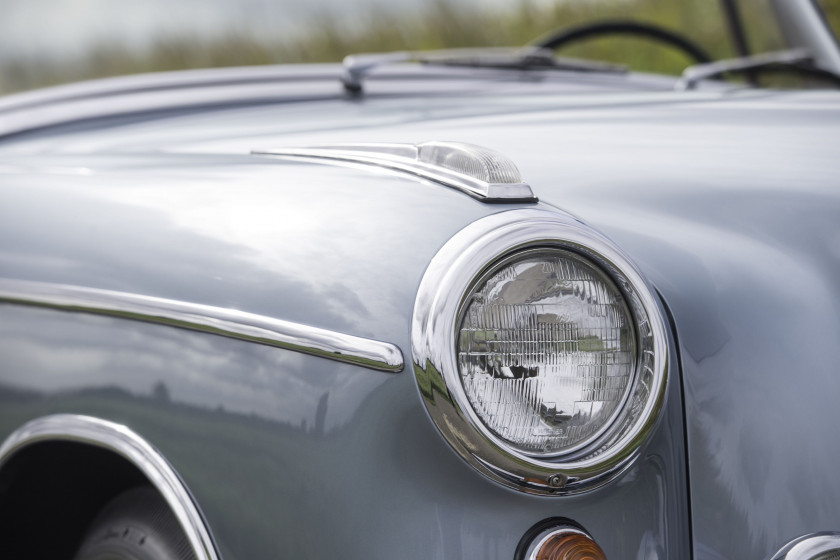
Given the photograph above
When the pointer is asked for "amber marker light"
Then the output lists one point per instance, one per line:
(569, 545)
(558, 539)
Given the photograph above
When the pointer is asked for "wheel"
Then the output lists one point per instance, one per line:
(136, 525)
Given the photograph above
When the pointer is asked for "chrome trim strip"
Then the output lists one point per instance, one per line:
(131, 84)
(126, 443)
(448, 280)
(147, 93)
(810, 547)
(403, 157)
(231, 323)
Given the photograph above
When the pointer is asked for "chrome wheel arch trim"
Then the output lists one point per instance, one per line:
(121, 440)
(405, 158)
(231, 323)
(810, 547)
(448, 279)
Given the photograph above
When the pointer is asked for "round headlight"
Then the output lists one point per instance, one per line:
(540, 352)
(546, 351)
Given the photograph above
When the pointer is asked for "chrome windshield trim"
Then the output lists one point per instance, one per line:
(448, 280)
(373, 354)
(404, 158)
(810, 547)
(129, 445)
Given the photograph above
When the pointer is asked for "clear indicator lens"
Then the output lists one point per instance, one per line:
(546, 351)
(475, 161)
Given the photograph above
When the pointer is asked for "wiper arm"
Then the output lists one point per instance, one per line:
(798, 60)
(357, 66)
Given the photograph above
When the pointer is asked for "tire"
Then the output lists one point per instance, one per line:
(136, 525)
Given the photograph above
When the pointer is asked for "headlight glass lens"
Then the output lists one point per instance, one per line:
(546, 351)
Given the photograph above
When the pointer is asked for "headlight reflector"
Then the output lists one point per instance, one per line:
(546, 351)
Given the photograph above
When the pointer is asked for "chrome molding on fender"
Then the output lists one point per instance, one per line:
(481, 173)
(815, 546)
(440, 298)
(124, 442)
(231, 323)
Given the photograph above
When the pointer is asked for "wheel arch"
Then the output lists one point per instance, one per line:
(58, 471)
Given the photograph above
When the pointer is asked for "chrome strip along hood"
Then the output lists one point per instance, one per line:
(728, 202)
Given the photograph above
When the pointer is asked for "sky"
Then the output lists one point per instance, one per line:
(69, 28)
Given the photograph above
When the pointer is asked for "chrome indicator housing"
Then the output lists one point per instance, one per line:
(479, 172)
(637, 374)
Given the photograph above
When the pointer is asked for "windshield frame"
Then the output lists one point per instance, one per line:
(803, 24)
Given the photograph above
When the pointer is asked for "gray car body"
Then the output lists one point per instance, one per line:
(726, 199)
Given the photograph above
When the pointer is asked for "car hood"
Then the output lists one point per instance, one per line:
(727, 200)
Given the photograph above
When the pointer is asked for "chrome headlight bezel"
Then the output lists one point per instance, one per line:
(451, 277)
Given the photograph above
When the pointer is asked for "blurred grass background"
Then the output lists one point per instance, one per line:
(441, 25)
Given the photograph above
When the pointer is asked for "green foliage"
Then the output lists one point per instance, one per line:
(441, 24)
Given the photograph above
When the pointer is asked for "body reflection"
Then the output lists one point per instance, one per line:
(272, 443)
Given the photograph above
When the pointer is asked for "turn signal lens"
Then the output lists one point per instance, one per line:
(474, 161)
(569, 545)
(558, 539)
(546, 351)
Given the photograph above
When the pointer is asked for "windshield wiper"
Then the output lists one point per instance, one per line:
(800, 61)
(357, 66)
